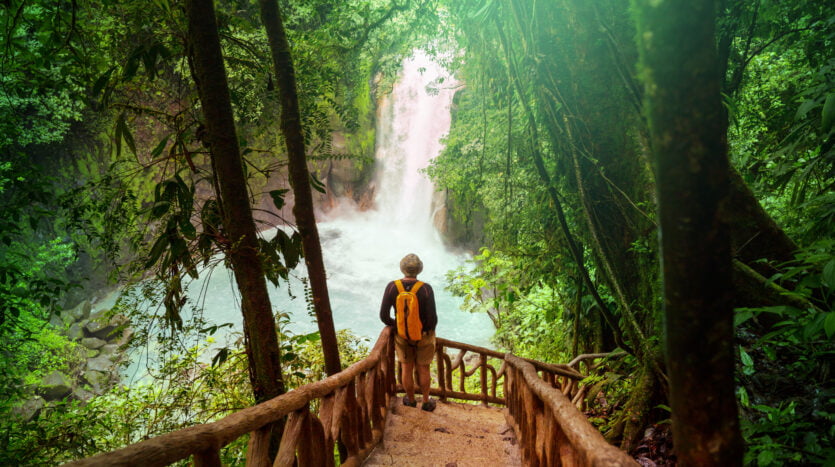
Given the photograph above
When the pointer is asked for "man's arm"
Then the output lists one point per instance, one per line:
(385, 307)
(431, 313)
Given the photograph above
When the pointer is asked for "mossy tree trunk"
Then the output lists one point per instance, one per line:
(259, 323)
(682, 83)
(291, 127)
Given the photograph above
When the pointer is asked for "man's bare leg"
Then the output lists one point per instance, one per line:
(409, 380)
(424, 378)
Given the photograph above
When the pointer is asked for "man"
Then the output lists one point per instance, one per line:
(419, 352)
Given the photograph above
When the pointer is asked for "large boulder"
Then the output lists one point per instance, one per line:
(101, 363)
(76, 331)
(105, 327)
(97, 380)
(82, 395)
(82, 311)
(56, 322)
(110, 351)
(56, 386)
(93, 343)
(29, 409)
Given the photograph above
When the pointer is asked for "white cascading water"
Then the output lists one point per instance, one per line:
(362, 250)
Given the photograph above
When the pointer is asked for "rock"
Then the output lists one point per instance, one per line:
(103, 327)
(29, 409)
(56, 322)
(101, 363)
(56, 386)
(82, 395)
(127, 334)
(93, 342)
(98, 380)
(109, 350)
(82, 311)
(100, 329)
(76, 331)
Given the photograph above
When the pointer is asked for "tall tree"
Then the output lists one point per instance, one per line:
(291, 127)
(682, 83)
(259, 324)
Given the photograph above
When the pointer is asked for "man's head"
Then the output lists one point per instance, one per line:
(411, 265)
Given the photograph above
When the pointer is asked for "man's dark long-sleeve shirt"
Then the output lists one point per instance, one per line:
(426, 300)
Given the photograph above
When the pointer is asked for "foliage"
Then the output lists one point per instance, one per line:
(187, 378)
(785, 391)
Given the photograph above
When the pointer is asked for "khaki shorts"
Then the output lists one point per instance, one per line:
(421, 352)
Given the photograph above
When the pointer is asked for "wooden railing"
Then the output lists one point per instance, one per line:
(484, 361)
(352, 410)
(550, 429)
(353, 404)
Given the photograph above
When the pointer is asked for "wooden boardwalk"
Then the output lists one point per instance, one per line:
(454, 435)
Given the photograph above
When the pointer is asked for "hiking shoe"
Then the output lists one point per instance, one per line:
(428, 405)
(409, 403)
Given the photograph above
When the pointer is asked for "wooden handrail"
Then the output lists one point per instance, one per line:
(353, 405)
(352, 410)
(550, 429)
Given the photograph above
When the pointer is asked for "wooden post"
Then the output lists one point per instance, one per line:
(258, 448)
(439, 363)
(210, 458)
(483, 375)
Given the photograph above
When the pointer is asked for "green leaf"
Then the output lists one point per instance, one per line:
(746, 359)
(288, 357)
(742, 315)
(765, 457)
(829, 274)
(157, 250)
(159, 148)
(828, 113)
(159, 209)
(829, 324)
(804, 108)
(220, 357)
(122, 132)
(185, 195)
(187, 228)
(278, 197)
(204, 245)
(103, 80)
(317, 184)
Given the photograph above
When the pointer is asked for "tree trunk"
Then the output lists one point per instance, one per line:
(682, 82)
(291, 127)
(259, 323)
(754, 234)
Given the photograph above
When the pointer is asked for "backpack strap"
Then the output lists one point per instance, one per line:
(400, 289)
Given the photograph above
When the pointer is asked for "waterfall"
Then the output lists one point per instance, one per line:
(362, 250)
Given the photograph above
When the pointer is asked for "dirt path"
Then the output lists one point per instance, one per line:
(454, 435)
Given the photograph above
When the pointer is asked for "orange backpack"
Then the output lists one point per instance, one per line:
(407, 312)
